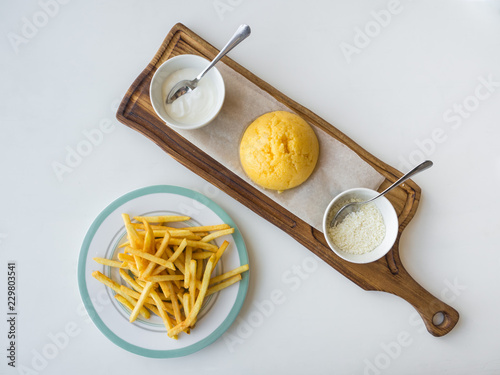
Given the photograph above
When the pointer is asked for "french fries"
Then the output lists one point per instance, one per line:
(167, 271)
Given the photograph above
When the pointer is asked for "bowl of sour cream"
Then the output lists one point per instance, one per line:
(192, 110)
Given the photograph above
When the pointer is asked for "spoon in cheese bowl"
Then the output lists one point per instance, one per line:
(355, 206)
(186, 86)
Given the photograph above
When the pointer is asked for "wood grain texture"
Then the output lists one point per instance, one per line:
(386, 274)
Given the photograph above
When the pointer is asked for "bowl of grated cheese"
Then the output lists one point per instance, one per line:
(363, 236)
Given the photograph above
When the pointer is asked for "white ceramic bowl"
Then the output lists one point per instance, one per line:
(388, 214)
(182, 62)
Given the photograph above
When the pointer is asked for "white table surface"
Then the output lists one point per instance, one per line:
(66, 76)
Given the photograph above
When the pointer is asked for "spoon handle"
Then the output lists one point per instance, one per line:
(419, 168)
(240, 35)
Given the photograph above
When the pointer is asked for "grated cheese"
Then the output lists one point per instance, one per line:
(360, 232)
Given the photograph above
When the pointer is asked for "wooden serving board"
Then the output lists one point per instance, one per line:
(386, 274)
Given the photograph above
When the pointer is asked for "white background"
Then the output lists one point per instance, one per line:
(67, 77)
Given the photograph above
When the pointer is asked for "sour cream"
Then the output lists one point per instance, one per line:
(195, 106)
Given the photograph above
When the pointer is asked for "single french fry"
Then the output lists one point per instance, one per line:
(179, 250)
(158, 253)
(149, 240)
(126, 258)
(194, 244)
(140, 302)
(175, 304)
(217, 234)
(219, 252)
(192, 284)
(139, 226)
(150, 257)
(184, 233)
(229, 274)
(207, 228)
(187, 274)
(201, 255)
(173, 232)
(158, 278)
(133, 237)
(199, 234)
(185, 304)
(180, 233)
(222, 285)
(110, 263)
(163, 219)
(187, 309)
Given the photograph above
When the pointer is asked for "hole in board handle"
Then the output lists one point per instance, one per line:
(439, 318)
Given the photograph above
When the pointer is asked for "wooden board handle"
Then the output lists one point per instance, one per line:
(439, 318)
(387, 275)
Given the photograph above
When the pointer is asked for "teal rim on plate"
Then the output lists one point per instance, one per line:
(82, 271)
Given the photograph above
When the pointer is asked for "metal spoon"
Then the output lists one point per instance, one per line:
(354, 206)
(186, 86)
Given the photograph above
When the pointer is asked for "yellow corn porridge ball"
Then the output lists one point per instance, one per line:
(279, 150)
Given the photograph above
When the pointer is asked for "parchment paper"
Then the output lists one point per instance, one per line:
(338, 168)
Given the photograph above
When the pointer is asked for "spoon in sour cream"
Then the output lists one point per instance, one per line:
(186, 86)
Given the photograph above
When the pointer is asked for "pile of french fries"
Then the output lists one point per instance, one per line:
(168, 270)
